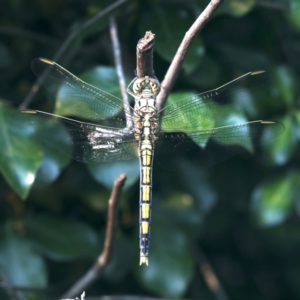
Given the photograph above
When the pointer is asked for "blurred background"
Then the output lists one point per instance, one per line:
(240, 217)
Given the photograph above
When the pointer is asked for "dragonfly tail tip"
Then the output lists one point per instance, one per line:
(144, 260)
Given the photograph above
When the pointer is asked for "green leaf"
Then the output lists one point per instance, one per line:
(63, 239)
(236, 8)
(297, 127)
(104, 78)
(293, 15)
(236, 116)
(231, 115)
(285, 84)
(121, 260)
(167, 22)
(194, 118)
(20, 154)
(203, 195)
(181, 209)
(295, 189)
(20, 263)
(50, 168)
(280, 150)
(106, 173)
(272, 200)
(170, 262)
(54, 159)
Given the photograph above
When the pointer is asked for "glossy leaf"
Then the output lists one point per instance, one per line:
(63, 239)
(54, 159)
(293, 14)
(175, 225)
(182, 209)
(107, 173)
(285, 84)
(297, 119)
(21, 155)
(295, 177)
(104, 78)
(203, 121)
(50, 169)
(170, 261)
(198, 186)
(21, 263)
(236, 8)
(272, 201)
(280, 150)
(121, 260)
(172, 24)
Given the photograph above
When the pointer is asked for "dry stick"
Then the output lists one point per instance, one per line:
(96, 270)
(210, 276)
(119, 67)
(144, 55)
(64, 47)
(176, 64)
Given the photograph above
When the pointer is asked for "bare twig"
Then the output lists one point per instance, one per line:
(210, 276)
(119, 68)
(102, 261)
(144, 55)
(176, 64)
(64, 47)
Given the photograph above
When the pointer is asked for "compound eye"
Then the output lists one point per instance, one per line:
(155, 87)
(137, 87)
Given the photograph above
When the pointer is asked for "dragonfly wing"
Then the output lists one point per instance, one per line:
(214, 145)
(84, 142)
(214, 108)
(79, 98)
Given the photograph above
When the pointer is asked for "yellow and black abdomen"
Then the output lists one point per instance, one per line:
(146, 160)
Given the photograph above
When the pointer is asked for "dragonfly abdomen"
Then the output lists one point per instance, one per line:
(146, 160)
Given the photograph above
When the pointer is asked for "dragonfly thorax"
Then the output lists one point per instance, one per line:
(145, 118)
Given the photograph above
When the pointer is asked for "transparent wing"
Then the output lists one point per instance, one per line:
(212, 126)
(84, 142)
(207, 147)
(81, 99)
(213, 108)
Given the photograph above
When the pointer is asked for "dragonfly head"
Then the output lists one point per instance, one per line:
(146, 85)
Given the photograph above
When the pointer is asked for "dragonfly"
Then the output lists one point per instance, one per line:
(109, 131)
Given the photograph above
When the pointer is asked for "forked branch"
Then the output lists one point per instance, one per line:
(176, 64)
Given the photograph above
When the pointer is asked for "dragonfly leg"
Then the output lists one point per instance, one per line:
(128, 88)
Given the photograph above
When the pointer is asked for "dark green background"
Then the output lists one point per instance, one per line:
(243, 214)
